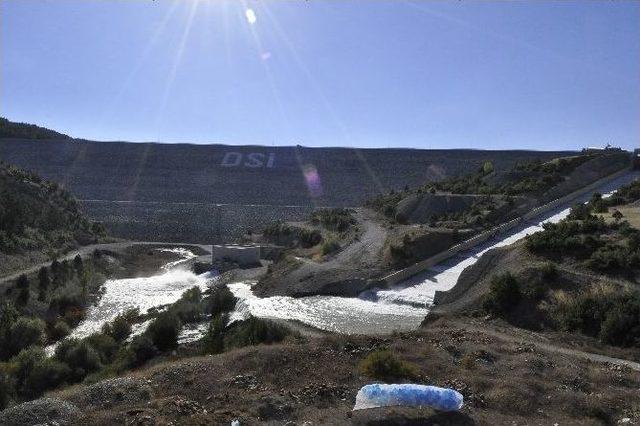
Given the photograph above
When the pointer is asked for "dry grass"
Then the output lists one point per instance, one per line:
(631, 214)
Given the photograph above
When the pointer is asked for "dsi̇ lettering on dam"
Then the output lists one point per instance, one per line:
(253, 160)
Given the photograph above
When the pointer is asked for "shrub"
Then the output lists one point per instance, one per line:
(46, 374)
(383, 364)
(59, 330)
(80, 356)
(587, 310)
(548, 271)
(622, 324)
(23, 333)
(119, 329)
(164, 331)
(189, 308)
(221, 300)
(24, 363)
(140, 350)
(105, 346)
(254, 331)
(614, 259)
(293, 234)
(6, 386)
(337, 219)
(503, 295)
(43, 279)
(213, 341)
(579, 211)
(329, 246)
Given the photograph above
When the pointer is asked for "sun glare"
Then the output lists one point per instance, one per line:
(251, 16)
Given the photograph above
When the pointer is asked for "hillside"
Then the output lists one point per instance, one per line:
(10, 129)
(39, 216)
(504, 377)
(579, 277)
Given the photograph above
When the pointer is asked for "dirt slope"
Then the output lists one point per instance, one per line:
(345, 274)
(504, 377)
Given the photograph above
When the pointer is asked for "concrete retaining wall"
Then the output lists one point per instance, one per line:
(242, 255)
(406, 273)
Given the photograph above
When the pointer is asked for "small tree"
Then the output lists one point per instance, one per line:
(56, 273)
(43, 283)
(213, 341)
(22, 282)
(617, 215)
(503, 295)
(119, 328)
(487, 167)
(164, 331)
(23, 286)
(77, 265)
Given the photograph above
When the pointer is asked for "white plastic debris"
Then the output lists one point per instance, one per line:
(235, 422)
(410, 395)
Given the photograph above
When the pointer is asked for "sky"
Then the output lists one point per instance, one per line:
(477, 74)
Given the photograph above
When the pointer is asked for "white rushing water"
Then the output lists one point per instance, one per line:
(144, 293)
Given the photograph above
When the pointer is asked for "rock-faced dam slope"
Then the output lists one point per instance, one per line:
(215, 192)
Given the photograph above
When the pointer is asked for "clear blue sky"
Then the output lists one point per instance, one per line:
(369, 73)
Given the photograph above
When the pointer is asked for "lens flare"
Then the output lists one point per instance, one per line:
(312, 179)
(251, 16)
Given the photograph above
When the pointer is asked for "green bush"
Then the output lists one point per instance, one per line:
(24, 364)
(24, 332)
(80, 356)
(579, 211)
(221, 300)
(105, 346)
(189, 308)
(119, 328)
(504, 294)
(213, 341)
(383, 365)
(293, 234)
(387, 204)
(59, 330)
(329, 246)
(46, 374)
(336, 219)
(621, 326)
(254, 331)
(569, 238)
(549, 271)
(164, 331)
(140, 350)
(7, 386)
(614, 259)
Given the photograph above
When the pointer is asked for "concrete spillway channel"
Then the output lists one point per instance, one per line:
(404, 306)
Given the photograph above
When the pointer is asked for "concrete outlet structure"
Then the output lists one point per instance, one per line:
(242, 255)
